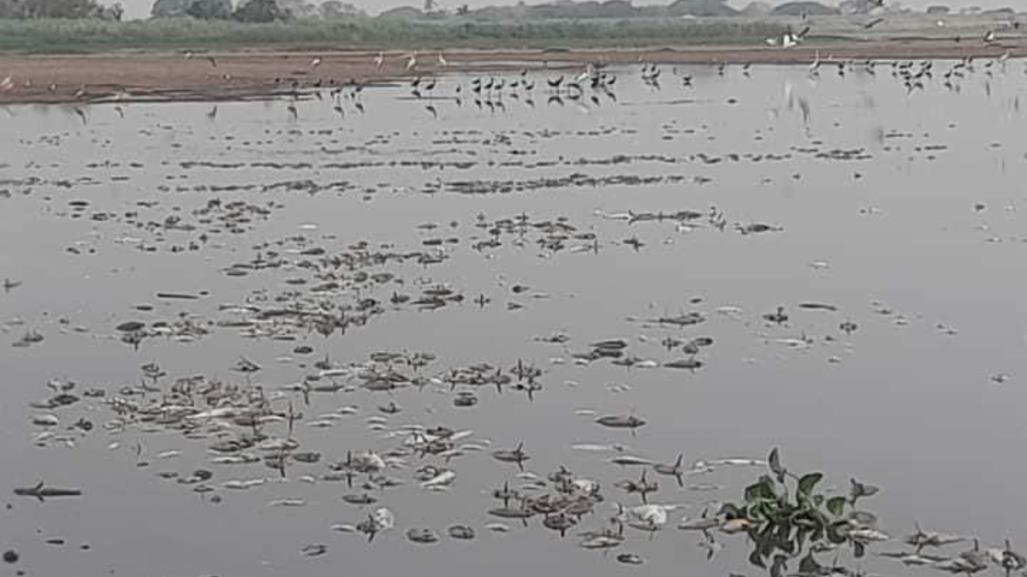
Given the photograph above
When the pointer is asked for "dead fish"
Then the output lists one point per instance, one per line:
(621, 421)
(757, 227)
(630, 559)
(423, 536)
(868, 535)
(630, 461)
(672, 469)
(511, 513)
(690, 364)
(41, 492)
(777, 317)
(613, 344)
(602, 541)
(243, 485)
(361, 499)
(818, 307)
(593, 448)
(314, 550)
(559, 522)
(921, 539)
(517, 456)
(698, 524)
(732, 526)
(914, 559)
(462, 532)
(45, 421)
(287, 503)
(443, 479)
(1009, 559)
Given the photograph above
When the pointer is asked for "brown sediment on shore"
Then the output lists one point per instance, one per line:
(252, 75)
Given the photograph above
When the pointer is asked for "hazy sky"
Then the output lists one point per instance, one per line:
(141, 8)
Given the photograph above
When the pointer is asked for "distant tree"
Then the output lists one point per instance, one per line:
(202, 9)
(586, 9)
(260, 11)
(402, 13)
(28, 9)
(338, 9)
(430, 6)
(757, 8)
(938, 10)
(803, 7)
(299, 8)
(169, 8)
(463, 10)
(210, 9)
(113, 12)
(701, 8)
(858, 7)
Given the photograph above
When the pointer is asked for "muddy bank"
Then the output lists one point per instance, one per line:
(237, 76)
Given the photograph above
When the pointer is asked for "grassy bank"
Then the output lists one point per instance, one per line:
(90, 36)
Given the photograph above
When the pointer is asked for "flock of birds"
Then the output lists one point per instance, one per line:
(587, 88)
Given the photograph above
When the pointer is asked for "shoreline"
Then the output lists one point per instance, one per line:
(172, 77)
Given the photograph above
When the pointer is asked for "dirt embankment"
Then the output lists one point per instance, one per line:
(149, 76)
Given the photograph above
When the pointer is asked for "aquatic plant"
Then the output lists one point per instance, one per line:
(785, 515)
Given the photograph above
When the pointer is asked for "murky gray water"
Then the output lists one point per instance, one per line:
(873, 205)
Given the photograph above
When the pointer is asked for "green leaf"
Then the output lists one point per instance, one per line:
(800, 540)
(862, 518)
(756, 559)
(808, 482)
(838, 532)
(780, 565)
(809, 565)
(836, 506)
(762, 489)
(859, 490)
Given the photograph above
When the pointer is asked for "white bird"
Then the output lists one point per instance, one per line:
(379, 61)
(442, 61)
(315, 62)
(412, 61)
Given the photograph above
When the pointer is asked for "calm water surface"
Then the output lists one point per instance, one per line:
(875, 199)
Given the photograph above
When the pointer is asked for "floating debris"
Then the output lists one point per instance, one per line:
(42, 492)
(462, 532)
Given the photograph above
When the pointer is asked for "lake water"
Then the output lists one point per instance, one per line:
(902, 210)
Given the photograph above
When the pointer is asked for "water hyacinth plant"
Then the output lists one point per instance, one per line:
(787, 518)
